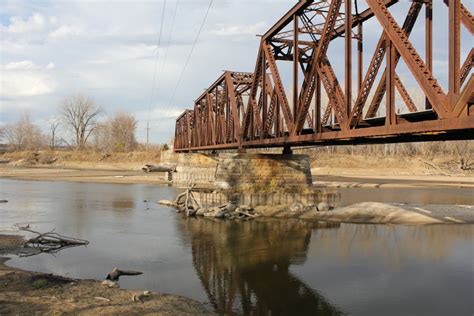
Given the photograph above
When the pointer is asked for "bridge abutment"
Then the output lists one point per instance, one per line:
(243, 171)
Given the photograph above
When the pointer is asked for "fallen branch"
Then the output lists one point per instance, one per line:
(245, 213)
(49, 242)
(117, 273)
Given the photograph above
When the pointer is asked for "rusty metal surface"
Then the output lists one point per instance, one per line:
(251, 110)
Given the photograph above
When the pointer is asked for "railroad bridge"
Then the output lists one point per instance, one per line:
(310, 105)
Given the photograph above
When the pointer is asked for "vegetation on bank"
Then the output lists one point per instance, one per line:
(80, 124)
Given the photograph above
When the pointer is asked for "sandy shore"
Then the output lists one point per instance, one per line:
(31, 293)
(81, 175)
(342, 177)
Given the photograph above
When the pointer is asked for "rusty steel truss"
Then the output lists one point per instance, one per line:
(245, 110)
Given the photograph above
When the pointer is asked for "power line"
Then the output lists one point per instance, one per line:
(163, 64)
(191, 51)
(154, 74)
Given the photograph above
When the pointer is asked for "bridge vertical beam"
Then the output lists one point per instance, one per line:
(317, 97)
(390, 116)
(429, 41)
(295, 67)
(360, 57)
(212, 130)
(264, 100)
(233, 102)
(454, 50)
(348, 54)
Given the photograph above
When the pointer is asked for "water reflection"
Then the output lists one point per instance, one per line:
(123, 204)
(257, 267)
(283, 266)
(389, 244)
(244, 267)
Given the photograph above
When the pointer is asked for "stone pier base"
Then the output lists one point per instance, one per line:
(313, 196)
(195, 168)
(251, 179)
(243, 171)
(263, 171)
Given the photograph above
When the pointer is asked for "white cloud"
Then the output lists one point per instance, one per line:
(65, 31)
(240, 29)
(36, 22)
(160, 112)
(25, 84)
(20, 65)
(25, 78)
(25, 65)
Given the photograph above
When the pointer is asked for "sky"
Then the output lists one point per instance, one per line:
(106, 50)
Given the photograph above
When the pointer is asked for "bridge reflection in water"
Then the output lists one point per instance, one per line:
(245, 267)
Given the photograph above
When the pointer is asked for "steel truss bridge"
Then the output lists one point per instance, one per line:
(254, 110)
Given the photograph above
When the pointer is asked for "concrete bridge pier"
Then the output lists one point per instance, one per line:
(242, 171)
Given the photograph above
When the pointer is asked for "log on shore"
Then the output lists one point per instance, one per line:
(159, 168)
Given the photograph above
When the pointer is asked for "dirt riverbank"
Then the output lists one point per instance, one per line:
(327, 169)
(32, 293)
(341, 178)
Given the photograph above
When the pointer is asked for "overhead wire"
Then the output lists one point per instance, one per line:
(163, 64)
(154, 72)
(180, 78)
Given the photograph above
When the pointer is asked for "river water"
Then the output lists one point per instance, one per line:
(264, 267)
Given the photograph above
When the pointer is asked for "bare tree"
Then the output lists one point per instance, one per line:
(79, 114)
(464, 150)
(53, 124)
(23, 134)
(102, 136)
(123, 127)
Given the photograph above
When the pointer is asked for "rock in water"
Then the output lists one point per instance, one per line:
(296, 207)
(323, 207)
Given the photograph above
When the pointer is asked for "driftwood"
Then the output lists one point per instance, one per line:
(187, 202)
(184, 202)
(159, 168)
(245, 213)
(50, 242)
(117, 273)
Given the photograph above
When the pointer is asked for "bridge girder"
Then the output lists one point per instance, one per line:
(251, 110)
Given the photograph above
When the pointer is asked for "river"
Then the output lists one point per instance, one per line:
(255, 267)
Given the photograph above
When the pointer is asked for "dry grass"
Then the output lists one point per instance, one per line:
(390, 165)
(85, 159)
(322, 162)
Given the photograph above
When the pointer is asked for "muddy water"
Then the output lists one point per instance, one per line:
(258, 267)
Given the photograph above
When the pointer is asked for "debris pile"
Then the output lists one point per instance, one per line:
(187, 203)
(49, 242)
